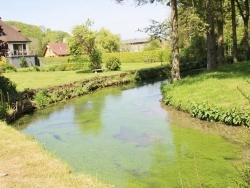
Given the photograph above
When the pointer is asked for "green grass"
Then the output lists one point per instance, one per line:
(228, 87)
(34, 80)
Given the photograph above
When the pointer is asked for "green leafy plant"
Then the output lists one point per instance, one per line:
(95, 59)
(23, 62)
(113, 64)
(42, 98)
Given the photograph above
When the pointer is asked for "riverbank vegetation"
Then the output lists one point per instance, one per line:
(222, 95)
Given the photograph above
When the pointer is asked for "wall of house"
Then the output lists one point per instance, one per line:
(21, 52)
(49, 53)
(31, 60)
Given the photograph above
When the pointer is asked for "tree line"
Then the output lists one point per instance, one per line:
(202, 23)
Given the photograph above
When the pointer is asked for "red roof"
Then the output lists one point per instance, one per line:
(12, 34)
(59, 48)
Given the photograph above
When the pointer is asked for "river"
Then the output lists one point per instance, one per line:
(127, 138)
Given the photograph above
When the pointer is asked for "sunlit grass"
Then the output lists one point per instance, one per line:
(228, 87)
(33, 80)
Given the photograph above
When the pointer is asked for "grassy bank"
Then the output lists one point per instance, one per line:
(34, 80)
(223, 95)
(29, 165)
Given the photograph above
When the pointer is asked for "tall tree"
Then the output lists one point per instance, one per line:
(220, 23)
(235, 49)
(107, 41)
(175, 70)
(83, 39)
(211, 37)
(243, 7)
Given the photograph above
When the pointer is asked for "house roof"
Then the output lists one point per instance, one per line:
(59, 48)
(136, 41)
(11, 34)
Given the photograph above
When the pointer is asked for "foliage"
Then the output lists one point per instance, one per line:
(107, 42)
(82, 40)
(8, 94)
(42, 98)
(23, 62)
(56, 67)
(113, 64)
(244, 171)
(95, 59)
(196, 51)
(153, 45)
(5, 66)
(139, 57)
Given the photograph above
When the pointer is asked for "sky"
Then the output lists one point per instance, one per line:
(64, 15)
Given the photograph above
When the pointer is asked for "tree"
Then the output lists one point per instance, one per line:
(211, 37)
(243, 7)
(220, 23)
(175, 70)
(83, 39)
(107, 42)
(235, 50)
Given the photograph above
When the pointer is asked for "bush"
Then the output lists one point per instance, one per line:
(5, 66)
(23, 62)
(95, 59)
(113, 64)
(8, 94)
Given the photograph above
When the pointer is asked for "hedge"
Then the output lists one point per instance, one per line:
(140, 57)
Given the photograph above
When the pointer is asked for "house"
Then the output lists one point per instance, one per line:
(14, 46)
(135, 45)
(14, 43)
(57, 49)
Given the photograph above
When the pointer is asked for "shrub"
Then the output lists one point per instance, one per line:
(5, 66)
(8, 94)
(95, 59)
(23, 62)
(42, 98)
(113, 64)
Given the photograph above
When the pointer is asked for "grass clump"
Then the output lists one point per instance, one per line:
(222, 95)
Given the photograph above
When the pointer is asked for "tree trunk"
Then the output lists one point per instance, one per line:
(175, 71)
(211, 38)
(235, 49)
(220, 22)
(246, 40)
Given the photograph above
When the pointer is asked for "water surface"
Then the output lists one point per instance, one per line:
(124, 137)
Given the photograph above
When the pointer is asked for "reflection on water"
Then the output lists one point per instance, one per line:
(123, 137)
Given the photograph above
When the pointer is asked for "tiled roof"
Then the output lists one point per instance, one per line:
(59, 48)
(12, 34)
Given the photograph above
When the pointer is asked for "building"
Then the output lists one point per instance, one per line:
(135, 45)
(57, 49)
(14, 45)
(13, 41)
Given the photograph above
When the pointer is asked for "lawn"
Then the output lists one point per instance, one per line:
(228, 87)
(33, 80)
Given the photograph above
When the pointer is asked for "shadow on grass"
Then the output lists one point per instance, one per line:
(83, 72)
(239, 70)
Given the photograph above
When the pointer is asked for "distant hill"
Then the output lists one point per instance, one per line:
(40, 35)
